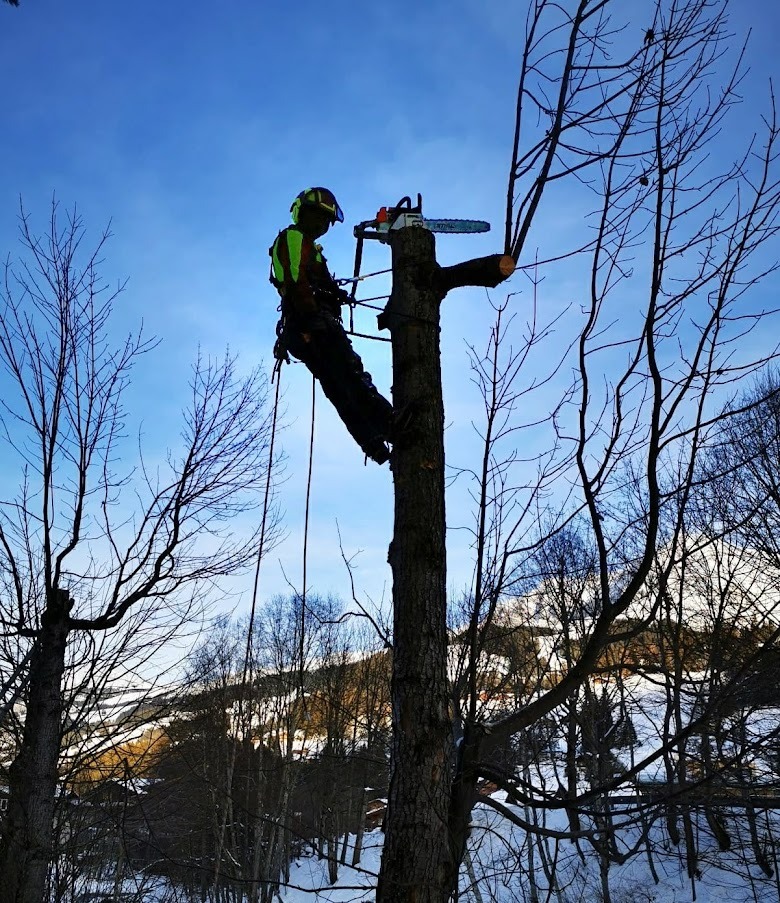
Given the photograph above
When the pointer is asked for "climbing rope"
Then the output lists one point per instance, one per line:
(353, 280)
(252, 612)
(346, 280)
(363, 302)
(281, 356)
(374, 298)
(363, 335)
(306, 535)
(262, 542)
(261, 545)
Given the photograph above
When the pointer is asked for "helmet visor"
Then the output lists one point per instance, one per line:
(331, 205)
(325, 200)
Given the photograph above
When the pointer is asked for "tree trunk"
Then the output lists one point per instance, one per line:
(691, 850)
(361, 827)
(463, 794)
(416, 854)
(333, 855)
(572, 813)
(26, 849)
(257, 822)
(533, 890)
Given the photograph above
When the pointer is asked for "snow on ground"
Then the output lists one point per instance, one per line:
(503, 857)
(309, 876)
(500, 860)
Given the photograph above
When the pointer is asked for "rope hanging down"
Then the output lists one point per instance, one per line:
(252, 615)
(263, 532)
(306, 535)
(276, 375)
(261, 546)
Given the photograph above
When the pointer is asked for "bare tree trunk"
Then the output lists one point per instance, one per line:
(361, 827)
(691, 851)
(227, 813)
(606, 895)
(258, 830)
(572, 813)
(533, 890)
(758, 851)
(119, 871)
(416, 856)
(345, 837)
(714, 820)
(332, 846)
(26, 849)
(275, 858)
(474, 886)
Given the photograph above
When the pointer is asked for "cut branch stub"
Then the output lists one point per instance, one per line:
(485, 271)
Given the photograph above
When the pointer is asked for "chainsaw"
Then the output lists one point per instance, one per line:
(402, 216)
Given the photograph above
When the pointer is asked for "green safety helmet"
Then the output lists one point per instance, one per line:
(317, 197)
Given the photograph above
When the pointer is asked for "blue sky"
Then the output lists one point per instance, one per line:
(193, 125)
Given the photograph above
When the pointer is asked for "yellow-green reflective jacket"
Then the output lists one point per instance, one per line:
(298, 270)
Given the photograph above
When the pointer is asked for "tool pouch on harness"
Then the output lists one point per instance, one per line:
(280, 346)
(281, 355)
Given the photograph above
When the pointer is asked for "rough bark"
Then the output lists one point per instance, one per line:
(26, 848)
(416, 851)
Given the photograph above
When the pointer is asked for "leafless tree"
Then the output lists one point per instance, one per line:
(88, 542)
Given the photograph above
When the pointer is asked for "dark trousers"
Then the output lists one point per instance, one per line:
(325, 348)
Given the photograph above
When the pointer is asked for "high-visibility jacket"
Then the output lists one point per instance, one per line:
(300, 273)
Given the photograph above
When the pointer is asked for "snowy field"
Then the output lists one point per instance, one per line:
(503, 867)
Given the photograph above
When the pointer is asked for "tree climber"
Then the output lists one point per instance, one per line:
(310, 326)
